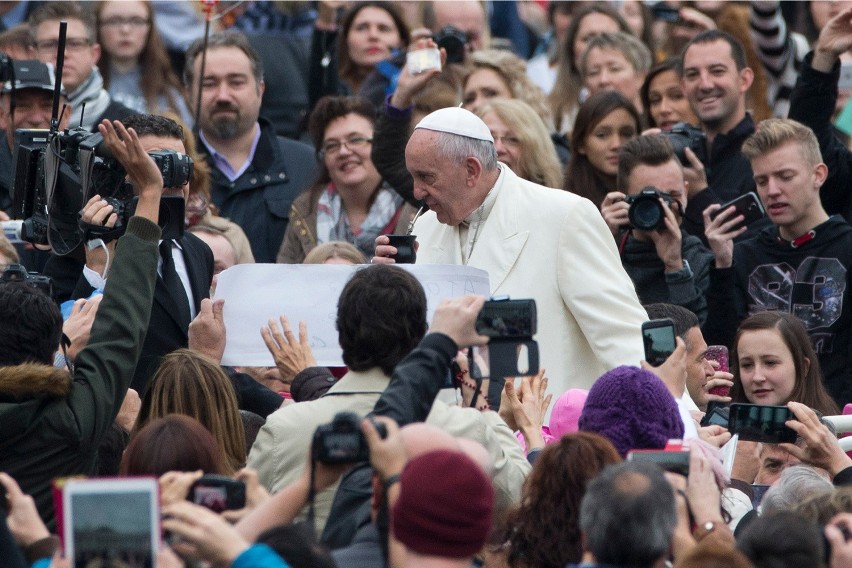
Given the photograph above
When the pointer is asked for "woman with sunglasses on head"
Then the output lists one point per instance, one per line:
(350, 201)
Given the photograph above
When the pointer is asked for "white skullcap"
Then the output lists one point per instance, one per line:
(456, 121)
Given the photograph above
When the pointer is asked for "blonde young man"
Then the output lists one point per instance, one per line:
(799, 265)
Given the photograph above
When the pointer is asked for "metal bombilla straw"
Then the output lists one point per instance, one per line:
(414, 220)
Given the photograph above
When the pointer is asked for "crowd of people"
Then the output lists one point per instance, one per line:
(616, 162)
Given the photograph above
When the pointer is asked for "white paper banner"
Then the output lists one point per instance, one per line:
(254, 293)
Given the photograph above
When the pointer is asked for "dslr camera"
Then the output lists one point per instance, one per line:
(682, 136)
(342, 441)
(646, 213)
(17, 273)
(453, 41)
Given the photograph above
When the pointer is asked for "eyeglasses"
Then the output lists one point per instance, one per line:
(332, 147)
(507, 140)
(71, 44)
(120, 22)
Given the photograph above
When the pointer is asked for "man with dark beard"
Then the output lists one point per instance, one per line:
(256, 174)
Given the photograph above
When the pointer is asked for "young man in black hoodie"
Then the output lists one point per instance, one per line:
(801, 264)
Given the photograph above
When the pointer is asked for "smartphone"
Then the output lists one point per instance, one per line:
(748, 205)
(111, 521)
(761, 423)
(658, 337)
(675, 462)
(422, 60)
(718, 414)
(845, 80)
(719, 354)
(218, 493)
(666, 13)
(758, 490)
(507, 319)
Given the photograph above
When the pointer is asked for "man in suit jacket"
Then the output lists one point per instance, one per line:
(534, 242)
(191, 259)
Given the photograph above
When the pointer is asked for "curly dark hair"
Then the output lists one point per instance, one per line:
(544, 530)
(381, 317)
(32, 325)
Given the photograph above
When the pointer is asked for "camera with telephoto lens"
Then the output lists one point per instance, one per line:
(682, 136)
(18, 273)
(454, 42)
(646, 212)
(342, 441)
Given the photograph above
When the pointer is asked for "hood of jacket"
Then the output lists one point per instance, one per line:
(24, 389)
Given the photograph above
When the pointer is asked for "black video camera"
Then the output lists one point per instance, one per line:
(56, 173)
(342, 441)
(646, 212)
(510, 326)
(683, 135)
(17, 273)
(454, 42)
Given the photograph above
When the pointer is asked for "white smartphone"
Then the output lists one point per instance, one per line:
(111, 522)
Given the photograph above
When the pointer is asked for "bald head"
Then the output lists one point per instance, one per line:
(421, 438)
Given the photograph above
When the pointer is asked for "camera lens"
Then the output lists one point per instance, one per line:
(646, 213)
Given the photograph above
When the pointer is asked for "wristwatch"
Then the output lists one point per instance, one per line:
(683, 274)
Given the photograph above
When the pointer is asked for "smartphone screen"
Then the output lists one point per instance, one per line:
(759, 423)
(219, 493)
(658, 338)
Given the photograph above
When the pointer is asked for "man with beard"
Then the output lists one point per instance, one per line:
(715, 79)
(256, 174)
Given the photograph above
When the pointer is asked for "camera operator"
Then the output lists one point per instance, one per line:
(185, 267)
(53, 422)
(665, 263)
(32, 108)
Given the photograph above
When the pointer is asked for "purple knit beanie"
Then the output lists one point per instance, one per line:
(633, 409)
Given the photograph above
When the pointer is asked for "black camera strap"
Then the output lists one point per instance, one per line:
(312, 493)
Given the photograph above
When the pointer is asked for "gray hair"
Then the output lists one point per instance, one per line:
(628, 515)
(228, 38)
(459, 148)
(796, 484)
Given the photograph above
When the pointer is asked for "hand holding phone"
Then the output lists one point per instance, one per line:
(218, 493)
(658, 339)
(748, 205)
(719, 354)
(761, 423)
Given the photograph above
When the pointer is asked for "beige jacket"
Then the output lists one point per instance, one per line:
(280, 450)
